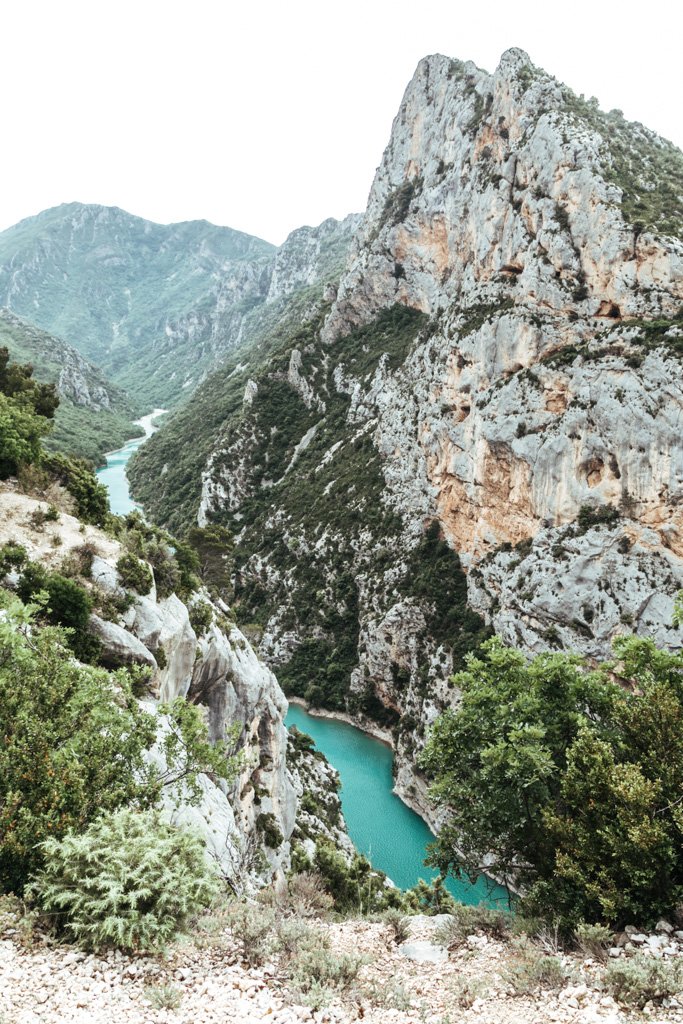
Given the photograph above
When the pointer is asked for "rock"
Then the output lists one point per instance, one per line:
(119, 647)
(424, 952)
(528, 394)
(664, 926)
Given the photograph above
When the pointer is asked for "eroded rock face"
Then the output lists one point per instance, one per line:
(542, 380)
(538, 392)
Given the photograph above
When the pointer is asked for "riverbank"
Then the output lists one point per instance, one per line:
(383, 735)
(414, 793)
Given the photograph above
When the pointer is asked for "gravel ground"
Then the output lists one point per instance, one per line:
(206, 980)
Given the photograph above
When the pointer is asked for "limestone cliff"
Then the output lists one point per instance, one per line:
(486, 418)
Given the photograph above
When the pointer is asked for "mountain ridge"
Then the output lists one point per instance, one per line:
(156, 306)
(93, 416)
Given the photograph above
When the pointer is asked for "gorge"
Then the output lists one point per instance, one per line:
(454, 417)
(381, 826)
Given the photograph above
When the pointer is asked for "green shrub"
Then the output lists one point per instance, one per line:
(201, 616)
(399, 925)
(130, 881)
(21, 432)
(272, 836)
(67, 605)
(599, 515)
(528, 972)
(92, 497)
(577, 781)
(593, 939)
(316, 973)
(466, 990)
(164, 997)
(642, 979)
(73, 743)
(12, 556)
(253, 926)
(466, 920)
(135, 573)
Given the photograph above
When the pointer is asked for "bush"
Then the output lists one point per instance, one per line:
(12, 556)
(593, 940)
(252, 926)
(272, 836)
(642, 979)
(317, 973)
(130, 881)
(528, 972)
(67, 605)
(201, 616)
(92, 497)
(399, 925)
(74, 742)
(21, 431)
(135, 573)
(465, 920)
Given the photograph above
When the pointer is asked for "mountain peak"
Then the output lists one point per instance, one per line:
(512, 60)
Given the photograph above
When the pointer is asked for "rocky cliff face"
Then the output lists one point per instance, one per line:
(489, 409)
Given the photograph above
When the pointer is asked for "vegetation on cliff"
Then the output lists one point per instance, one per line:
(93, 416)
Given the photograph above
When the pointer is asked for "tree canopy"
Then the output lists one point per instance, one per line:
(565, 781)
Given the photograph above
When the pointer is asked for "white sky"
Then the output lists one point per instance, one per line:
(268, 115)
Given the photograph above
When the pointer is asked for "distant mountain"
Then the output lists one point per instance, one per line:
(156, 306)
(93, 416)
(115, 284)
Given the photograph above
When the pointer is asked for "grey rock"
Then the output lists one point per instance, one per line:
(424, 952)
(119, 647)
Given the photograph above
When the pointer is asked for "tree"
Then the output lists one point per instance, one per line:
(73, 743)
(564, 782)
(16, 381)
(21, 431)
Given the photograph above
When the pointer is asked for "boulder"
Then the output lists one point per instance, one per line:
(119, 647)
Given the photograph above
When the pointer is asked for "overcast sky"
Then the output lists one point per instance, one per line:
(268, 115)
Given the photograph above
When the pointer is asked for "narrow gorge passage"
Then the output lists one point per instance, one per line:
(391, 835)
(387, 831)
(113, 475)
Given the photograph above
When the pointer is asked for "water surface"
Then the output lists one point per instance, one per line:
(381, 826)
(113, 475)
(390, 834)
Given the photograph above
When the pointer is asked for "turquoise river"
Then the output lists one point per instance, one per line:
(390, 834)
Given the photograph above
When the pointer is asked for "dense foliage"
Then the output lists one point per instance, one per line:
(565, 781)
(26, 411)
(129, 880)
(93, 416)
(62, 602)
(73, 742)
(91, 497)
